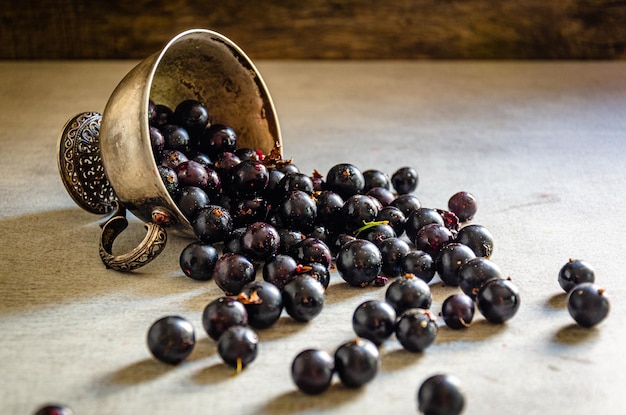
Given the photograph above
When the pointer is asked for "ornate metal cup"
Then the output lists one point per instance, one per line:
(106, 161)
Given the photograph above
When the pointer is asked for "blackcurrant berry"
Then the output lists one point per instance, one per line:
(263, 302)
(478, 238)
(498, 300)
(463, 205)
(260, 241)
(345, 180)
(303, 298)
(357, 362)
(450, 259)
(197, 260)
(408, 292)
(416, 329)
(359, 262)
(418, 218)
(374, 320)
(474, 273)
(171, 339)
(233, 271)
(431, 238)
(192, 116)
(420, 264)
(441, 394)
(54, 409)
(212, 224)
(588, 304)
(574, 272)
(457, 311)
(221, 314)
(393, 251)
(238, 346)
(312, 371)
(404, 180)
(376, 178)
(279, 270)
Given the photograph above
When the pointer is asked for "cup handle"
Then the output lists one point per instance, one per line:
(148, 249)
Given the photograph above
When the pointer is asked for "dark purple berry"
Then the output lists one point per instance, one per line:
(197, 261)
(574, 272)
(249, 177)
(384, 196)
(192, 116)
(162, 115)
(374, 320)
(311, 250)
(406, 203)
(212, 224)
(408, 292)
(317, 271)
(54, 409)
(232, 243)
(296, 181)
(376, 233)
(238, 346)
(312, 371)
(288, 239)
(457, 311)
(260, 241)
(441, 394)
(263, 302)
(478, 238)
(303, 298)
(359, 262)
(394, 218)
(357, 362)
(176, 138)
(419, 218)
(221, 314)
(172, 159)
(498, 300)
(431, 238)
(279, 270)
(416, 329)
(345, 180)
(329, 206)
(298, 211)
(357, 211)
(249, 210)
(463, 205)
(376, 178)
(190, 200)
(450, 259)
(169, 179)
(232, 272)
(420, 264)
(404, 180)
(217, 139)
(192, 173)
(588, 304)
(171, 339)
(157, 141)
(393, 250)
(475, 273)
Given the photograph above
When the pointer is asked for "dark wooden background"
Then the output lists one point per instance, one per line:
(320, 29)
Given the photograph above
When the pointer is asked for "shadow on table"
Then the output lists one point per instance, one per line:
(573, 334)
(296, 401)
(140, 372)
(52, 258)
(478, 331)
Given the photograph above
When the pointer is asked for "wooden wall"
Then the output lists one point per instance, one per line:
(320, 29)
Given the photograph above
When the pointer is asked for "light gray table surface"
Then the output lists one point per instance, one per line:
(540, 144)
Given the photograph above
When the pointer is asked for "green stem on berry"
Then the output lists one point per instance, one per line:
(367, 225)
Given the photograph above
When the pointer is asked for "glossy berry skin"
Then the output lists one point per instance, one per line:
(406, 203)
(192, 116)
(329, 206)
(162, 115)
(431, 238)
(345, 179)
(384, 196)
(478, 238)
(171, 159)
(376, 178)
(357, 211)
(394, 218)
(404, 180)
(498, 300)
(221, 314)
(263, 302)
(311, 250)
(176, 138)
(393, 250)
(238, 346)
(359, 262)
(232, 243)
(169, 179)
(171, 339)
(279, 270)
(377, 233)
(216, 139)
(316, 270)
(475, 273)
(408, 292)
(249, 177)
(54, 409)
(260, 241)
(233, 271)
(416, 329)
(574, 272)
(249, 210)
(192, 173)
(450, 259)
(420, 218)
(157, 141)
(190, 200)
(420, 264)
(197, 261)
(303, 298)
(357, 362)
(457, 311)
(463, 205)
(441, 394)
(288, 239)
(298, 211)
(212, 224)
(587, 304)
(374, 320)
(312, 371)
(296, 181)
